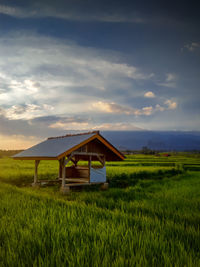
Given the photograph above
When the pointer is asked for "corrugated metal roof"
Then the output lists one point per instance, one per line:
(53, 147)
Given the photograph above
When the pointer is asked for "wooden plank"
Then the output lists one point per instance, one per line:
(76, 180)
(89, 165)
(101, 160)
(74, 162)
(60, 169)
(104, 160)
(68, 160)
(86, 154)
(81, 184)
(81, 168)
(63, 172)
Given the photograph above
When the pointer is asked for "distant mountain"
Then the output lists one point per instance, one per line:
(156, 140)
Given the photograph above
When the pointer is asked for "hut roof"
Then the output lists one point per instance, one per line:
(57, 147)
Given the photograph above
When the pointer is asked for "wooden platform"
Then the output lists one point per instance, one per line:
(76, 180)
(71, 182)
(80, 184)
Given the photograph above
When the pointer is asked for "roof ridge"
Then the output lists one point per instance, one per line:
(69, 135)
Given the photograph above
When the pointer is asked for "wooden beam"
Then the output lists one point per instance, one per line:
(81, 184)
(104, 160)
(89, 166)
(77, 180)
(36, 171)
(86, 154)
(101, 160)
(63, 172)
(60, 169)
(74, 161)
(68, 159)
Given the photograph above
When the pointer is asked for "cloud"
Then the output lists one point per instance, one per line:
(106, 107)
(159, 108)
(11, 11)
(170, 81)
(170, 77)
(145, 111)
(41, 71)
(50, 85)
(119, 126)
(70, 123)
(168, 105)
(42, 10)
(89, 125)
(171, 104)
(191, 47)
(112, 107)
(26, 111)
(149, 94)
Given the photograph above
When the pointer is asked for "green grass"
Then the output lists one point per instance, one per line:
(153, 221)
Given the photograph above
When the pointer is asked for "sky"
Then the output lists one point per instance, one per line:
(97, 65)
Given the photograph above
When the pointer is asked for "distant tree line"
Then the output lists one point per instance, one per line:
(148, 151)
(145, 150)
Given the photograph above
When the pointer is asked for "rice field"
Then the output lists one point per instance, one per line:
(150, 216)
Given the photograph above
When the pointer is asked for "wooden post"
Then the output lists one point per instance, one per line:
(60, 169)
(104, 160)
(101, 160)
(89, 166)
(65, 189)
(36, 172)
(63, 172)
(74, 161)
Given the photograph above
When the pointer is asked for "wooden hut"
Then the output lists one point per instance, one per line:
(88, 147)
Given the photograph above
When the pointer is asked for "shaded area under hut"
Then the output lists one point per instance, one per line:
(91, 146)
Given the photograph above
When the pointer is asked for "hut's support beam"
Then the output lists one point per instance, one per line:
(63, 172)
(36, 172)
(65, 189)
(101, 160)
(104, 160)
(89, 165)
(74, 161)
(60, 169)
